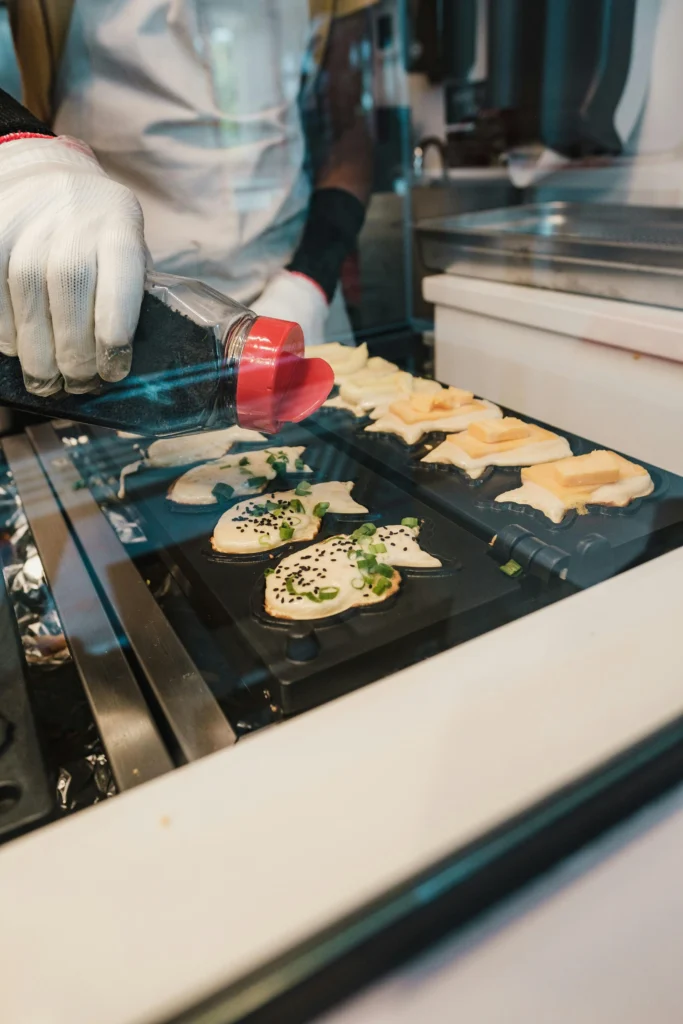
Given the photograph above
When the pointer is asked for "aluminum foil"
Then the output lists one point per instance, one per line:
(87, 782)
(127, 529)
(85, 777)
(40, 629)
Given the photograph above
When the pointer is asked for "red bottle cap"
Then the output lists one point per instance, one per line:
(276, 384)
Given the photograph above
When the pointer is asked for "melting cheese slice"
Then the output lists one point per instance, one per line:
(254, 525)
(473, 455)
(543, 486)
(362, 388)
(239, 475)
(496, 431)
(455, 419)
(344, 359)
(589, 470)
(433, 405)
(329, 572)
(374, 393)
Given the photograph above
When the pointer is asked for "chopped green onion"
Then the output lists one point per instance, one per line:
(223, 492)
(245, 472)
(381, 584)
(299, 464)
(278, 460)
(512, 568)
(357, 584)
(377, 549)
(264, 541)
(410, 521)
(78, 485)
(244, 461)
(257, 481)
(303, 488)
(385, 570)
(258, 510)
(321, 509)
(324, 594)
(271, 506)
(269, 572)
(286, 531)
(365, 530)
(296, 506)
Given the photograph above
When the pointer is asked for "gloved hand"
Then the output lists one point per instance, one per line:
(72, 265)
(292, 296)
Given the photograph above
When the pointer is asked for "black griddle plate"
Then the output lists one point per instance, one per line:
(313, 662)
(586, 548)
(463, 526)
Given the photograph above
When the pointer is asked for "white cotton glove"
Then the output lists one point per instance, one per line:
(72, 266)
(291, 296)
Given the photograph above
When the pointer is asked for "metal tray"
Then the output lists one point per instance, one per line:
(630, 253)
(310, 663)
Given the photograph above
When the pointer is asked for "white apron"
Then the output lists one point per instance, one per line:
(194, 105)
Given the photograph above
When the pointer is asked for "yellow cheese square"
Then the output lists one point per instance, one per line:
(547, 476)
(443, 400)
(405, 411)
(477, 449)
(495, 431)
(593, 470)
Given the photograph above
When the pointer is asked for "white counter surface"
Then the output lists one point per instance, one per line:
(211, 870)
(597, 941)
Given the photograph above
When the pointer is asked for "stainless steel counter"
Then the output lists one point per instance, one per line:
(632, 253)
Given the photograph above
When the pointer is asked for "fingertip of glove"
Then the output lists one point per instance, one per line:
(80, 387)
(42, 388)
(114, 362)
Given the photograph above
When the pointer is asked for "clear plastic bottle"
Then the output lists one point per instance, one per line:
(200, 359)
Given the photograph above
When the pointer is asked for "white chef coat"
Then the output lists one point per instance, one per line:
(194, 104)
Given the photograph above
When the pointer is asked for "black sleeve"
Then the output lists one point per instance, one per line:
(335, 218)
(15, 118)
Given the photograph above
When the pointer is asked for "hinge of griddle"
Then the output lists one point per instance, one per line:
(537, 558)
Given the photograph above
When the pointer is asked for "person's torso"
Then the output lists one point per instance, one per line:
(194, 104)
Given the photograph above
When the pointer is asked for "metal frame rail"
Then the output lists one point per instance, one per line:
(190, 709)
(129, 734)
